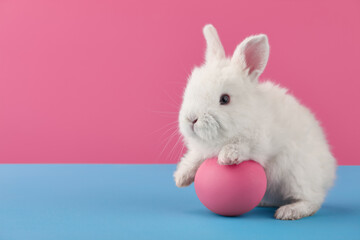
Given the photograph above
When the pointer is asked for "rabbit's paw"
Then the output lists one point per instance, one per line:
(183, 178)
(296, 210)
(230, 154)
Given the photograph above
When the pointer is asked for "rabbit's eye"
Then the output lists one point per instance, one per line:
(224, 99)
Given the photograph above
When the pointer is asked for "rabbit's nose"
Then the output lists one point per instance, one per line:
(192, 119)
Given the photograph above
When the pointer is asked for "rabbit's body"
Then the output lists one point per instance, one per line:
(298, 162)
(261, 121)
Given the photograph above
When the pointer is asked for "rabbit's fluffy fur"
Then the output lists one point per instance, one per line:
(262, 122)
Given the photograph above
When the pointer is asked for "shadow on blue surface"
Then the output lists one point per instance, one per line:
(258, 212)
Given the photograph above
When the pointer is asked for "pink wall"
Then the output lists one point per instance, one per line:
(97, 81)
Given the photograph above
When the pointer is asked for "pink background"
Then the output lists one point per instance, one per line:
(100, 81)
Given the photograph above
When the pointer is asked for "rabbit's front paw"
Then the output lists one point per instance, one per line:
(230, 155)
(183, 178)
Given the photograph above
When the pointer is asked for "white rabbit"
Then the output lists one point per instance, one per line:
(227, 113)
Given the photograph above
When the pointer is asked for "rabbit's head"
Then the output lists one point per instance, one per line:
(220, 96)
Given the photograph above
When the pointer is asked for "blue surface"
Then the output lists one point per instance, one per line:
(141, 202)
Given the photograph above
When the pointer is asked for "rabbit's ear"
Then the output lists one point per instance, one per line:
(214, 48)
(252, 55)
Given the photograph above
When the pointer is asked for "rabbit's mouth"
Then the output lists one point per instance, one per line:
(206, 127)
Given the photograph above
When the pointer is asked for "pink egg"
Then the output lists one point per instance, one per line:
(230, 190)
